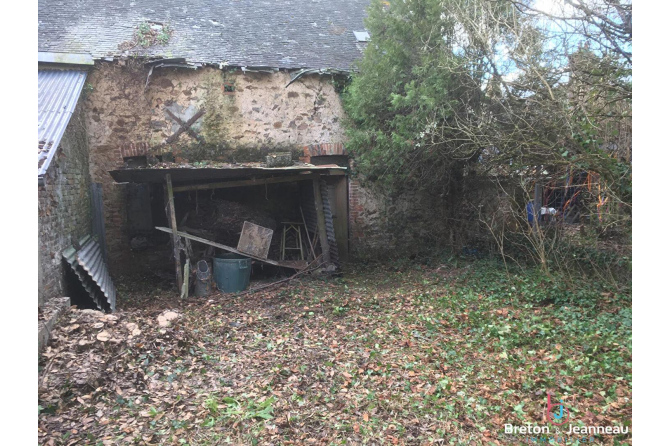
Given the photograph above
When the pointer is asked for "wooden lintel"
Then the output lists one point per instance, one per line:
(252, 182)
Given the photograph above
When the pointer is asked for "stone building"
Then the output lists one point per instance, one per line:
(212, 84)
(63, 171)
(203, 83)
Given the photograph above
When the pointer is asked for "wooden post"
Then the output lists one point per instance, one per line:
(175, 236)
(309, 239)
(98, 219)
(340, 210)
(321, 221)
(184, 287)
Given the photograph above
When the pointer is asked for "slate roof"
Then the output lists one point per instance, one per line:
(243, 33)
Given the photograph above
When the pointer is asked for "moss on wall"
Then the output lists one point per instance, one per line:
(247, 115)
(203, 152)
(217, 119)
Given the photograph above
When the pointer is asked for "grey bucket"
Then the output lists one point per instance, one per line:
(203, 279)
(232, 272)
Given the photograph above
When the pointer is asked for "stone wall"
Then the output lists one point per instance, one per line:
(246, 115)
(385, 225)
(381, 224)
(64, 207)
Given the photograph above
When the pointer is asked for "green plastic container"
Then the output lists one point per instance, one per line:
(232, 272)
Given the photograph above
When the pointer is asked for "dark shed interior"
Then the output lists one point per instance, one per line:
(216, 211)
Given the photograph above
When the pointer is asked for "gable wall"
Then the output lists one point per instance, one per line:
(260, 116)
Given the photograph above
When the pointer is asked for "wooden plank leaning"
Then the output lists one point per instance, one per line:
(173, 230)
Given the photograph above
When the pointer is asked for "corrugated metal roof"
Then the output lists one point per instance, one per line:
(90, 258)
(89, 265)
(57, 95)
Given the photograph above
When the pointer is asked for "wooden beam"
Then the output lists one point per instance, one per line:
(184, 126)
(321, 221)
(187, 128)
(230, 249)
(309, 239)
(175, 236)
(238, 183)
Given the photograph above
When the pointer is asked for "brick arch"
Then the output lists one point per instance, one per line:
(135, 149)
(322, 149)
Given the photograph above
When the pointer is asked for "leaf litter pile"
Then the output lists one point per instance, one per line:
(386, 354)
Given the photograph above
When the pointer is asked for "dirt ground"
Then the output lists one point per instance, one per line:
(381, 355)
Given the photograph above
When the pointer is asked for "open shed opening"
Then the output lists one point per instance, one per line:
(210, 216)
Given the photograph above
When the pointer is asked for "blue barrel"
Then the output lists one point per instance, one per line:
(232, 272)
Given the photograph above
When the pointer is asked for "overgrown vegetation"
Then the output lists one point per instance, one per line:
(148, 34)
(453, 89)
(396, 353)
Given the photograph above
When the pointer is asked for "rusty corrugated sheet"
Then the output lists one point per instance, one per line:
(91, 288)
(57, 95)
(89, 265)
(330, 226)
(309, 209)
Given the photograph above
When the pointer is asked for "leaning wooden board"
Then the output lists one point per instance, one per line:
(228, 248)
(255, 240)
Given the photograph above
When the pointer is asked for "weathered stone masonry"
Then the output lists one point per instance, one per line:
(380, 224)
(64, 206)
(246, 115)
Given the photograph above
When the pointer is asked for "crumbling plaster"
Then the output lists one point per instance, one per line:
(261, 112)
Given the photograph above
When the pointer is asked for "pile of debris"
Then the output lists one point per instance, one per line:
(47, 316)
(91, 351)
(223, 220)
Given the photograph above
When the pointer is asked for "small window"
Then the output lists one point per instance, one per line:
(320, 160)
(362, 36)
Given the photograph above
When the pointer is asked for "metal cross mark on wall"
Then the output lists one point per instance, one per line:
(185, 126)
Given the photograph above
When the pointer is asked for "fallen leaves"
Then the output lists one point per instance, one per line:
(167, 317)
(133, 329)
(103, 336)
(403, 365)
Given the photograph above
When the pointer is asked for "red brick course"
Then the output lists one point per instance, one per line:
(134, 149)
(321, 150)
